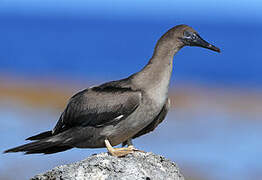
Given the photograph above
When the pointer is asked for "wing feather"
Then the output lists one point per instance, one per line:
(98, 107)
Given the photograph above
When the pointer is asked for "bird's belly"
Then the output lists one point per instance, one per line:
(130, 126)
(125, 129)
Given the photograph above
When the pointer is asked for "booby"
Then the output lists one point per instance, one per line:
(118, 111)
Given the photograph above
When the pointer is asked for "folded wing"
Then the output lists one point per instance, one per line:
(99, 106)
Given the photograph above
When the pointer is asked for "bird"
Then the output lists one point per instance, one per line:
(116, 112)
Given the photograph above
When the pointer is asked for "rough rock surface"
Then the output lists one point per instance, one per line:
(146, 166)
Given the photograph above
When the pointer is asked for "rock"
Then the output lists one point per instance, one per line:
(139, 165)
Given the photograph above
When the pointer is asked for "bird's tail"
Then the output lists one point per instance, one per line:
(41, 136)
(46, 144)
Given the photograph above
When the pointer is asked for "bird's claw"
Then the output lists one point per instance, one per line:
(120, 152)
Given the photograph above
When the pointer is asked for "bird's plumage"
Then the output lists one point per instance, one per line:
(158, 119)
(89, 107)
(118, 111)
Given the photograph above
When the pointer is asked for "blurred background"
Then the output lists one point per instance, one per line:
(50, 49)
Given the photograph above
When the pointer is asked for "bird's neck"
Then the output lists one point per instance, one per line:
(159, 68)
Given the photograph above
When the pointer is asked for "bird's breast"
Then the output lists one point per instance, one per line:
(158, 92)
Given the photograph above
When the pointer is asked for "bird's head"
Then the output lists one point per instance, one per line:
(187, 36)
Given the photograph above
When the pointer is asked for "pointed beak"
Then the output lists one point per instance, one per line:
(202, 43)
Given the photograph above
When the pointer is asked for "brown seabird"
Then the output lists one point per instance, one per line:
(119, 111)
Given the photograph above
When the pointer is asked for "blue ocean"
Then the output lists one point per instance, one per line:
(93, 48)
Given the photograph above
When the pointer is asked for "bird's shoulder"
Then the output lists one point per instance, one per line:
(121, 89)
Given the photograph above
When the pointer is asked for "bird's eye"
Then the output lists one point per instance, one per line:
(193, 36)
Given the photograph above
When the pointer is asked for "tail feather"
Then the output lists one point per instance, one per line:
(41, 136)
(50, 150)
(49, 145)
(34, 146)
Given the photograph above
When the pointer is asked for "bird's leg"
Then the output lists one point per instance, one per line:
(130, 144)
(119, 152)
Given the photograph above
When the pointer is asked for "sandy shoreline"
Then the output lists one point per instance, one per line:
(189, 96)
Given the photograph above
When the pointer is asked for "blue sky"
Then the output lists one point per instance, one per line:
(234, 9)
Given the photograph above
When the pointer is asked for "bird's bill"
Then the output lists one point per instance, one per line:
(202, 43)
